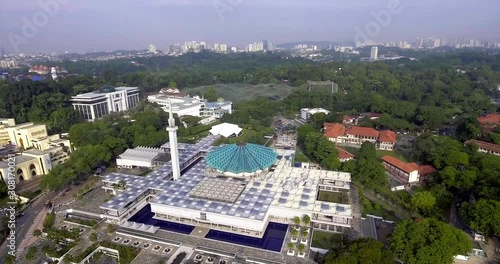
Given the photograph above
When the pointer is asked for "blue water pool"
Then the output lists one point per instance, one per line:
(272, 239)
(145, 216)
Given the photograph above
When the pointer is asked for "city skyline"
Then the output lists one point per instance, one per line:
(95, 26)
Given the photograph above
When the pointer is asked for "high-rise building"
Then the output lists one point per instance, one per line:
(2, 52)
(374, 53)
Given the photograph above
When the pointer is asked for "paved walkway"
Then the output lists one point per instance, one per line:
(29, 239)
(356, 213)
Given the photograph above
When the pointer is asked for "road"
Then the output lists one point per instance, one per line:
(24, 222)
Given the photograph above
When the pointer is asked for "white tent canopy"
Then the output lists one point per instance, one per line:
(226, 130)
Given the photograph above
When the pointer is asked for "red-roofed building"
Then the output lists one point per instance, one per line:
(490, 121)
(485, 147)
(344, 155)
(356, 135)
(425, 170)
(387, 139)
(334, 132)
(406, 172)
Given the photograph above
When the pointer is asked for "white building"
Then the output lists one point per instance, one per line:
(374, 53)
(305, 113)
(152, 49)
(226, 130)
(95, 105)
(217, 109)
(184, 105)
(181, 105)
(142, 157)
(206, 196)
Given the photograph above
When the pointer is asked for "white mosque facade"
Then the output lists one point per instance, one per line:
(268, 189)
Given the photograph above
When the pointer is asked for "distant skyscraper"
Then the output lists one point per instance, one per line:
(374, 53)
(152, 49)
(2, 52)
(265, 44)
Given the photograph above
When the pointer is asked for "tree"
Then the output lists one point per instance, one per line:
(294, 232)
(303, 132)
(369, 170)
(467, 128)
(211, 95)
(31, 254)
(423, 202)
(306, 219)
(93, 237)
(428, 241)
(483, 216)
(37, 233)
(291, 246)
(296, 220)
(3, 189)
(301, 247)
(361, 251)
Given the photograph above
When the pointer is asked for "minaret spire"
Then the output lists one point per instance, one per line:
(172, 135)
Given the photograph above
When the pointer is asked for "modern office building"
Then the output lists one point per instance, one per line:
(374, 53)
(108, 99)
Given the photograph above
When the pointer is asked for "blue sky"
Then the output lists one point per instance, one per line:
(95, 25)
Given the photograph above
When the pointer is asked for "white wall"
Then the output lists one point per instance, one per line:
(212, 217)
(413, 176)
(131, 163)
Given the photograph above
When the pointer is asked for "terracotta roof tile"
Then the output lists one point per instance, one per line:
(362, 131)
(334, 130)
(490, 121)
(387, 136)
(426, 170)
(344, 154)
(406, 167)
(484, 145)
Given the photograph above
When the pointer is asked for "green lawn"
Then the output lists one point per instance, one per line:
(333, 197)
(380, 153)
(300, 157)
(371, 208)
(326, 240)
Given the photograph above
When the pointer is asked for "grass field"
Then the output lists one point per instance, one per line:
(333, 197)
(241, 92)
(380, 153)
(326, 240)
(371, 208)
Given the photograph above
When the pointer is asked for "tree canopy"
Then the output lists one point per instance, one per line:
(361, 251)
(428, 241)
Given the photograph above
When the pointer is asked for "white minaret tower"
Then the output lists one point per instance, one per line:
(172, 137)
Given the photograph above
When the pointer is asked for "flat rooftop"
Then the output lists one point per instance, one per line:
(283, 186)
(220, 189)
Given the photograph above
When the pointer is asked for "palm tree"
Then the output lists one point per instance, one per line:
(296, 220)
(306, 219)
(301, 248)
(304, 232)
(294, 232)
(291, 246)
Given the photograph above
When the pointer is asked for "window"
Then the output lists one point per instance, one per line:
(203, 216)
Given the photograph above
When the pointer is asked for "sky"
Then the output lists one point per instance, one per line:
(107, 25)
